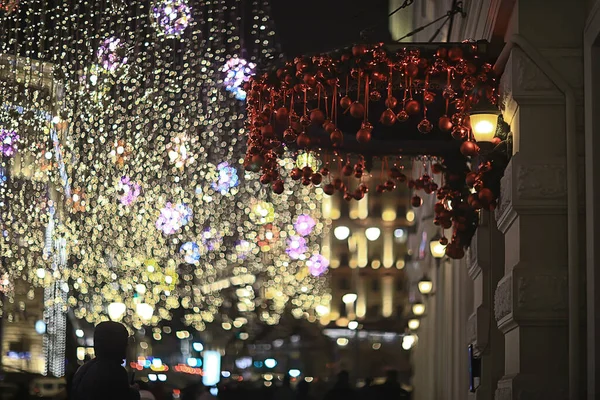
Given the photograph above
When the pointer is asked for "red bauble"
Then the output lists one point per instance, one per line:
(471, 178)
(307, 172)
(337, 138)
(265, 178)
(416, 201)
(317, 117)
(296, 173)
(345, 102)
(412, 70)
(425, 126)
(282, 115)
(258, 160)
(289, 135)
(306, 181)
(455, 53)
(303, 140)
(445, 124)
(375, 95)
(358, 194)
(380, 188)
(357, 110)
(347, 170)
(469, 149)
(438, 207)
(391, 102)
(363, 188)
(277, 186)
(363, 136)
(388, 117)
(348, 196)
(297, 126)
(324, 171)
(473, 201)
(413, 107)
(437, 168)
(329, 127)
(359, 50)
(338, 184)
(444, 241)
(402, 116)
(442, 52)
(428, 98)
(310, 80)
(390, 185)
(267, 131)
(329, 189)
(459, 132)
(486, 197)
(395, 172)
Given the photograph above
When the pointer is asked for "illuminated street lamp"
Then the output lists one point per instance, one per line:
(438, 250)
(413, 324)
(341, 232)
(418, 309)
(484, 120)
(425, 285)
(349, 298)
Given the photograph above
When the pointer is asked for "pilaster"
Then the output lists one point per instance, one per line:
(531, 299)
(485, 262)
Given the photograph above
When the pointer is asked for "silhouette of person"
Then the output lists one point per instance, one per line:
(303, 391)
(391, 389)
(341, 390)
(103, 377)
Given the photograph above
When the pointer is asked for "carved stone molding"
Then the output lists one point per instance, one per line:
(503, 211)
(528, 76)
(531, 186)
(541, 182)
(531, 296)
(532, 387)
(503, 394)
(541, 294)
(503, 298)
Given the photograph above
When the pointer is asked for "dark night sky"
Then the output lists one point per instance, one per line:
(309, 26)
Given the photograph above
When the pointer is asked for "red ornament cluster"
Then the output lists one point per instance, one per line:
(307, 104)
(347, 106)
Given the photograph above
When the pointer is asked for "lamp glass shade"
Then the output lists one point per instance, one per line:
(341, 232)
(372, 233)
(425, 285)
(438, 250)
(483, 125)
(413, 324)
(116, 311)
(418, 309)
(349, 298)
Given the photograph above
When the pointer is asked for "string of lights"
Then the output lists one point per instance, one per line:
(127, 118)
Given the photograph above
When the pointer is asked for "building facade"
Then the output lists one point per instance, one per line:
(533, 316)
